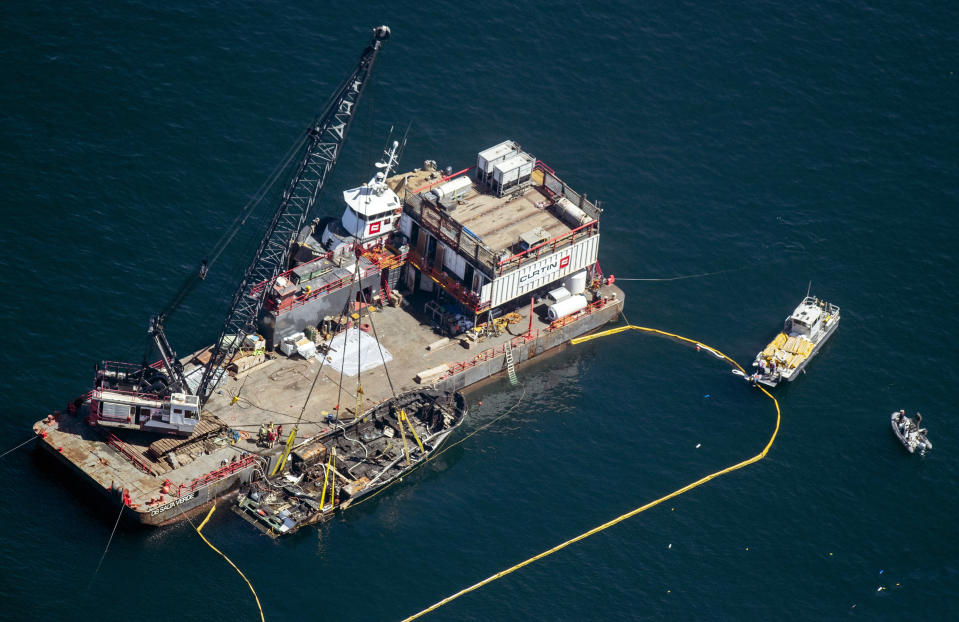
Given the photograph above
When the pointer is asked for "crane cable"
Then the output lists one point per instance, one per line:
(642, 508)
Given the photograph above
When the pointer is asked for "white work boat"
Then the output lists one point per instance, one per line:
(909, 433)
(804, 333)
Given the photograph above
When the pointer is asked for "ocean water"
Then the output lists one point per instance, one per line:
(773, 143)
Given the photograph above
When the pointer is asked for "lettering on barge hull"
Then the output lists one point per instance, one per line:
(173, 504)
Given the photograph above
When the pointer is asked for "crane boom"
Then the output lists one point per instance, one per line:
(326, 136)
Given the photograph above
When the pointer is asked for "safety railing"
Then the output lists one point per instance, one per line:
(488, 354)
(445, 228)
(450, 285)
(216, 475)
(128, 452)
(439, 181)
(256, 289)
(569, 319)
(552, 245)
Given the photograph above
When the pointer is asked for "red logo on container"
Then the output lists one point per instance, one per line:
(564, 262)
(375, 227)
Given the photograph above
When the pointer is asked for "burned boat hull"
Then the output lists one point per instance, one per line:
(352, 461)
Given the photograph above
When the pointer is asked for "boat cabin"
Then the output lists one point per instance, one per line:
(805, 319)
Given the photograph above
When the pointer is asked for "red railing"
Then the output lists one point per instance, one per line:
(217, 474)
(128, 453)
(449, 284)
(447, 178)
(553, 245)
(489, 353)
(386, 261)
(542, 166)
(379, 261)
(306, 296)
(569, 319)
(256, 289)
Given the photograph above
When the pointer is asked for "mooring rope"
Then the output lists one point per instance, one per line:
(686, 276)
(641, 508)
(102, 557)
(32, 438)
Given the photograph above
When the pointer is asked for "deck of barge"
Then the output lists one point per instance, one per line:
(275, 391)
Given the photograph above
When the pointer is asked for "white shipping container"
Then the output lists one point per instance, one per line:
(490, 157)
(508, 170)
(544, 271)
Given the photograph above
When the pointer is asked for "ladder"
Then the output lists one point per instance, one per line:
(510, 365)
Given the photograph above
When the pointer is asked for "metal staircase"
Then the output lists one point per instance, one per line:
(510, 364)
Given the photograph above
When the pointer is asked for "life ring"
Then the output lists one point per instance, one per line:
(244, 434)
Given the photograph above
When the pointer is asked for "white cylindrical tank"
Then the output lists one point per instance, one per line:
(453, 189)
(576, 282)
(566, 307)
(573, 216)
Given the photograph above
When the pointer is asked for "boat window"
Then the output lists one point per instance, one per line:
(363, 217)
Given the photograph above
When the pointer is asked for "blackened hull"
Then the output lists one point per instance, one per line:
(283, 510)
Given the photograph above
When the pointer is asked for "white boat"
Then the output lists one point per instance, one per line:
(909, 433)
(804, 333)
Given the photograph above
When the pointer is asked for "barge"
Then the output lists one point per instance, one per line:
(429, 283)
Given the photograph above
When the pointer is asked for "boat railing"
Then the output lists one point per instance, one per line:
(488, 354)
(456, 289)
(129, 453)
(256, 289)
(828, 307)
(571, 237)
(569, 319)
(308, 293)
(216, 475)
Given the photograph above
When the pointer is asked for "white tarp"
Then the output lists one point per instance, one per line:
(351, 344)
(195, 375)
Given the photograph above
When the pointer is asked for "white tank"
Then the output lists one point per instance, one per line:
(566, 307)
(576, 283)
(454, 189)
(572, 214)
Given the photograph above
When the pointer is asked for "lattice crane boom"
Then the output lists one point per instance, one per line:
(325, 139)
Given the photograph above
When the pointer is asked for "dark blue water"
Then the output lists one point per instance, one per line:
(782, 142)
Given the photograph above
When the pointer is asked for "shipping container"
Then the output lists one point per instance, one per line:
(540, 272)
(512, 171)
(488, 158)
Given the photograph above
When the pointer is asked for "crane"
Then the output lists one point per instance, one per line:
(146, 398)
(326, 137)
